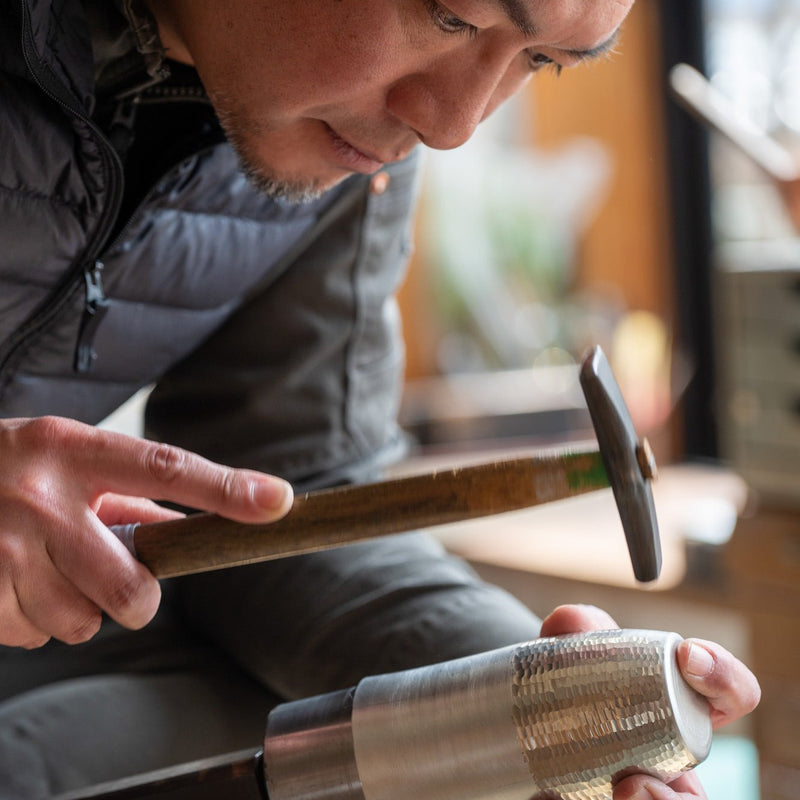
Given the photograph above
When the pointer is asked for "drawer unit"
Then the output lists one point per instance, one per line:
(757, 316)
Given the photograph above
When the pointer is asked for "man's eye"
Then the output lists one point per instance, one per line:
(447, 21)
(540, 61)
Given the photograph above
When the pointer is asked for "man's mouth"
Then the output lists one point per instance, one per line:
(353, 157)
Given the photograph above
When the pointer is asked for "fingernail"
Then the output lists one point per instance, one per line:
(379, 183)
(642, 793)
(600, 618)
(700, 662)
(273, 494)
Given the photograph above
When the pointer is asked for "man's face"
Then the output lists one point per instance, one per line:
(311, 91)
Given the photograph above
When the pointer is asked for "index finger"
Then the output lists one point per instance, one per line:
(115, 462)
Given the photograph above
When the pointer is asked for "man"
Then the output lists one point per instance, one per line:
(135, 252)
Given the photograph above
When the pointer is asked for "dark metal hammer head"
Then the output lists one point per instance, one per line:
(628, 461)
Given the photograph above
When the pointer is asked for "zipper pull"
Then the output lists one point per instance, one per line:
(94, 309)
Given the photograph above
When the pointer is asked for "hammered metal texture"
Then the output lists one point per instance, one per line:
(562, 718)
(588, 714)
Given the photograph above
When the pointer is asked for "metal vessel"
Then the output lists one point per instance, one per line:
(560, 718)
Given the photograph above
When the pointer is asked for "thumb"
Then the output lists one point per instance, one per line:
(730, 687)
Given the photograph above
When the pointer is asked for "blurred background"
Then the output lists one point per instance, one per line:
(595, 209)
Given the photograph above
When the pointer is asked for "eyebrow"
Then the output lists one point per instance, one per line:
(515, 10)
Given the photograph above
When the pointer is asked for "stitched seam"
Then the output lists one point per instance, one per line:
(214, 214)
(32, 195)
(228, 306)
(67, 378)
(153, 212)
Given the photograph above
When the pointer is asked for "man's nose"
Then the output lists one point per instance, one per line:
(443, 109)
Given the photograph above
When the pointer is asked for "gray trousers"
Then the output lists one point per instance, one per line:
(226, 647)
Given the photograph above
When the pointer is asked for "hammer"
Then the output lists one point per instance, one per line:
(334, 517)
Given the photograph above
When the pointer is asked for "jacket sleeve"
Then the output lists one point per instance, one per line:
(304, 382)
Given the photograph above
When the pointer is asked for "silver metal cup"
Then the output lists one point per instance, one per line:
(556, 718)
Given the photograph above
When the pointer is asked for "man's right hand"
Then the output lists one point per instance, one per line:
(62, 484)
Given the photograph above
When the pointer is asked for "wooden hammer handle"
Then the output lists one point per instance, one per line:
(335, 517)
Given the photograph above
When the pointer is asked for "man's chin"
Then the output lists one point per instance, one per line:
(292, 190)
(249, 140)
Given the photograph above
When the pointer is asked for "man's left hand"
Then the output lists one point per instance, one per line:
(731, 689)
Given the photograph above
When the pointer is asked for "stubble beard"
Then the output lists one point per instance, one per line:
(240, 133)
(293, 191)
